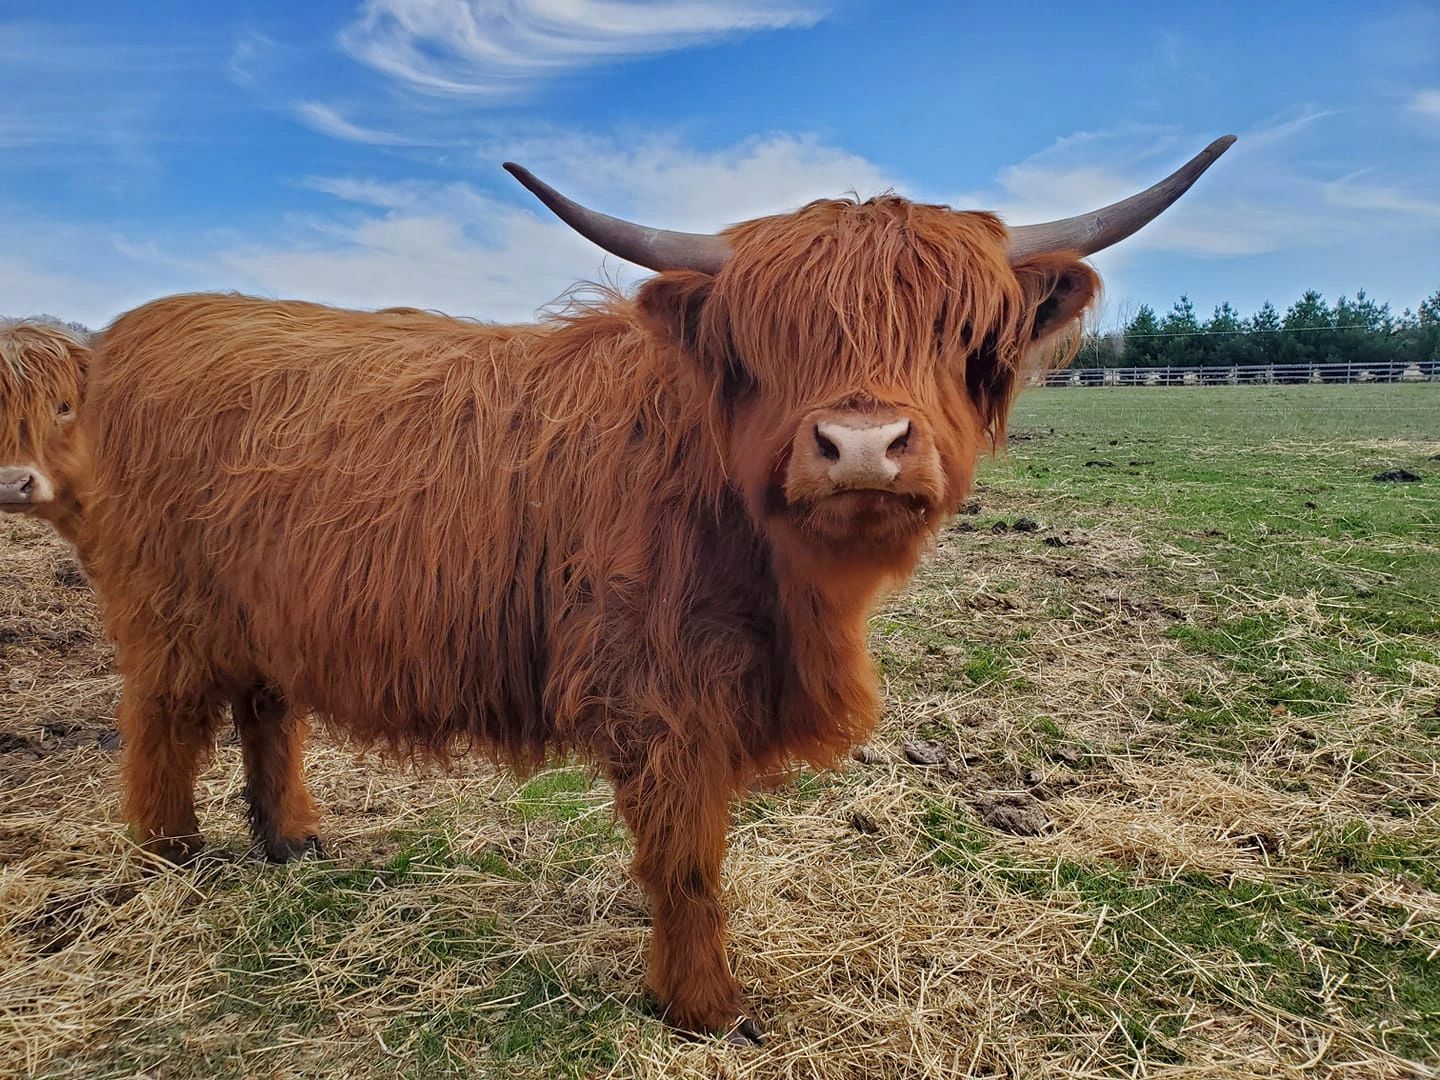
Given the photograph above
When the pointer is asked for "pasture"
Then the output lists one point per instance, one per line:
(1157, 792)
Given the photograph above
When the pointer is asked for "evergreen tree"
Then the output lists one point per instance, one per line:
(1229, 343)
(1182, 343)
(1142, 339)
(1417, 333)
(1363, 334)
(1263, 334)
(1305, 320)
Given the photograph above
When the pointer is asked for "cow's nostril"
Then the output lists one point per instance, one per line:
(899, 443)
(27, 486)
(828, 450)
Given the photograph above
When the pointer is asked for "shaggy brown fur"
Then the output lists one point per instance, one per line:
(42, 379)
(441, 535)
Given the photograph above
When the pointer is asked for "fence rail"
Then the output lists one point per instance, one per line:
(1245, 374)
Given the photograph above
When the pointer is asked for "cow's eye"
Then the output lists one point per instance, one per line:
(738, 382)
(64, 409)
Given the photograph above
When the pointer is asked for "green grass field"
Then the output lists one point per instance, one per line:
(1178, 671)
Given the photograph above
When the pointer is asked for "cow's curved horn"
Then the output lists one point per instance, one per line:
(1092, 232)
(655, 249)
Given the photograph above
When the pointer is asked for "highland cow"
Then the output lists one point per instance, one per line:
(647, 531)
(42, 379)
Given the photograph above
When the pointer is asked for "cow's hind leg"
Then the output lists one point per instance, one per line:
(167, 733)
(272, 739)
(679, 817)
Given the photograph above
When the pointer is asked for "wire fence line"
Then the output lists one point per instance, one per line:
(1236, 331)
(1244, 374)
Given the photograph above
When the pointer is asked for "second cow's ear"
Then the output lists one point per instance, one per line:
(81, 354)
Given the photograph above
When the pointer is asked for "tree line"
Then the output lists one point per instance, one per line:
(1311, 331)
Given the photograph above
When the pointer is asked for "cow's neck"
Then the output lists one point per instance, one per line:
(832, 698)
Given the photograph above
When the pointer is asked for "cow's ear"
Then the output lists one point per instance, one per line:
(80, 354)
(1058, 289)
(673, 304)
(676, 306)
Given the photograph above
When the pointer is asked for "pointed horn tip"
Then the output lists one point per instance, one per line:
(541, 190)
(519, 172)
(1220, 145)
(1205, 158)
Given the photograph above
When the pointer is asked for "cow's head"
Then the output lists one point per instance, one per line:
(42, 379)
(859, 355)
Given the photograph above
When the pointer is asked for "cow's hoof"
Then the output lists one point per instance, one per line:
(745, 1033)
(288, 849)
(176, 850)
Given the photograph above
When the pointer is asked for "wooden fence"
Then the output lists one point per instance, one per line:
(1244, 375)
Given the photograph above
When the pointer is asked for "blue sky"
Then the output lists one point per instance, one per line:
(350, 152)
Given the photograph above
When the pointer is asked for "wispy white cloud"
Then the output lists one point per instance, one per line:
(433, 257)
(1426, 103)
(328, 121)
(246, 55)
(1284, 127)
(479, 48)
(1347, 194)
(388, 195)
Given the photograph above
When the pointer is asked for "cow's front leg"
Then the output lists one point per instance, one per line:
(272, 738)
(167, 728)
(679, 814)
